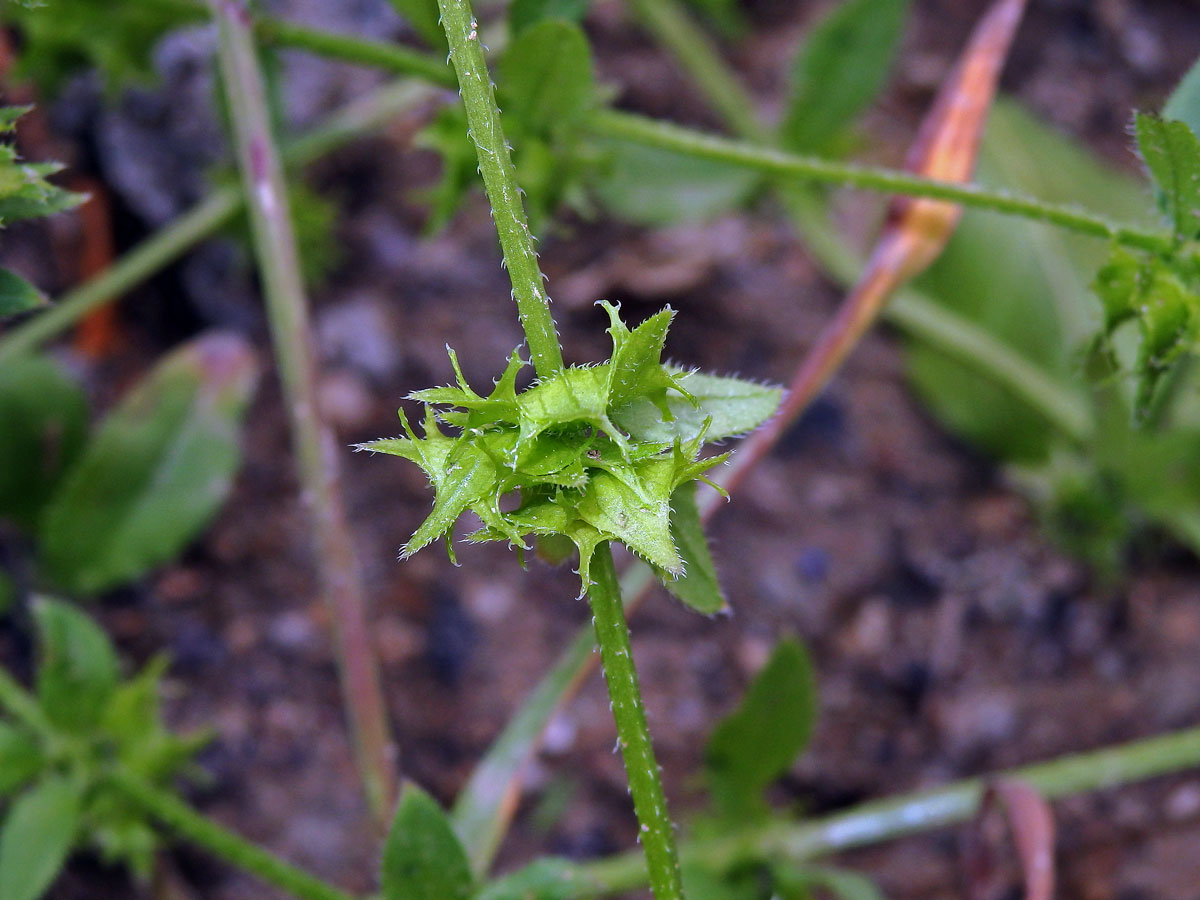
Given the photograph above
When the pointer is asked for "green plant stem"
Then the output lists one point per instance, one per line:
(347, 48)
(316, 453)
(657, 834)
(180, 818)
(169, 243)
(665, 136)
(882, 820)
(500, 184)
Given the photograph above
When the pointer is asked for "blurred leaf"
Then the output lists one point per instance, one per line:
(156, 471)
(60, 38)
(698, 586)
(25, 194)
(759, 740)
(77, 669)
(425, 19)
(45, 422)
(423, 858)
(523, 14)
(20, 758)
(544, 879)
(18, 296)
(1172, 154)
(648, 186)
(1184, 103)
(36, 837)
(546, 78)
(839, 71)
(725, 15)
(1025, 283)
(796, 881)
(701, 883)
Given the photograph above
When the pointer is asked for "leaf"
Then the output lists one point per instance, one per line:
(759, 740)
(64, 37)
(734, 405)
(425, 19)
(1172, 154)
(546, 78)
(45, 422)
(20, 757)
(698, 586)
(839, 71)
(18, 296)
(423, 858)
(523, 14)
(156, 471)
(1024, 283)
(841, 883)
(648, 186)
(612, 506)
(25, 193)
(77, 669)
(36, 837)
(544, 879)
(1184, 103)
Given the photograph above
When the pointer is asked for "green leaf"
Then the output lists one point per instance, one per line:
(36, 837)
(546, 78)
(25, 194)
(61, 38)
(734, 405)
(698, 586)
(20, 757)
(544, 879)
(1172, 154)
(18, 296)
(423, 858)
(523, 14)
(45, 422)
(842, 883)
(156, 471)
(1184, 102)
(758, 742)
(425, 20)
(839, 71)
(648, 186)
(77, 669)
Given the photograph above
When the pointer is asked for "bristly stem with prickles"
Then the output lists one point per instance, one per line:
(612, 634)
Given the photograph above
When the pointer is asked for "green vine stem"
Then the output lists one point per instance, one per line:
(500, 183)
(204, 219)
(316, 455)
(180, 818)
(645, 783)
(882, 820)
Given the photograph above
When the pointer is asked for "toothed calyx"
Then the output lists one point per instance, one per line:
(595, 452)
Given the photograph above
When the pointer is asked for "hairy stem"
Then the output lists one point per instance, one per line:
(182, 819)
(316, 453)
(657, 834)
(883, 820)
(500, 183)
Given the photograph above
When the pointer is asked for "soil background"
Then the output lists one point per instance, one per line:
(950, 639)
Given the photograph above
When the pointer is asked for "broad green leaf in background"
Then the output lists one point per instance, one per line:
(62, 38)
(523, 14)
(1025, 283)
(423, 858)
(798, 881)
(1172, 154)
(425, 20)
(544, 879)
(156, 471)
(758, 742)
(698, 586)
(839, 70)
(18, 296)
(77, 672)
(546, 77)
(20, 757)
(45, 421)
(36, 837)
(1184, 103)
(648, 186)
